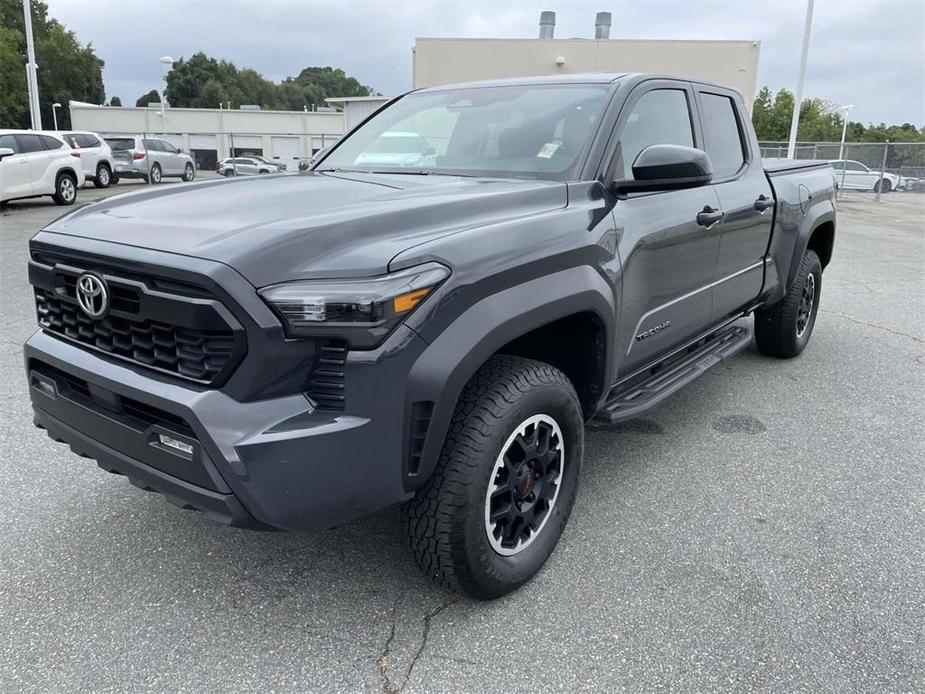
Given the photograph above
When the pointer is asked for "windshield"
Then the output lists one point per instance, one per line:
(529, 131)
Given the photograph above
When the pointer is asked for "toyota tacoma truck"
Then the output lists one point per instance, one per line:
(295, 351)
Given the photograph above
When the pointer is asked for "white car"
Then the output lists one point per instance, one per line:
(34, 164)
(853, 175)
(246, 166)
(398, 149)
(95, 156)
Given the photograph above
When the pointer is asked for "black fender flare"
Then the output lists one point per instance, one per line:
(442, 370)
(810, 223)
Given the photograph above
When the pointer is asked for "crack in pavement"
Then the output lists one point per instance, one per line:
(389, 684)
(871, 325)
(424, 634)
(382, 662)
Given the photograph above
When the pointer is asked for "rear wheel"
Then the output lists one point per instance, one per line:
(783, 330)
(229, 173)
(156, 174)
(114, 179)
(103, 177)
(65, 189)
(493, 510)
(188, 172)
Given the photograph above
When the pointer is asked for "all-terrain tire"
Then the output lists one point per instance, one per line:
(779, 329)
(447, 520)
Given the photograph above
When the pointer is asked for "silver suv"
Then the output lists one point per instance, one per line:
(95, 156)
(243, 166)
(149, 158)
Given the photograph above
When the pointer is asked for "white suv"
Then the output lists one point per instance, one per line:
(34, 164)
(95, 156)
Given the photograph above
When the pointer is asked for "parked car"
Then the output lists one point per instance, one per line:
(149, 158)
(398, 149)
(300, 351)
(95, 156)
(853, 175)
(33, 164)
(246, 166)
(274, 162)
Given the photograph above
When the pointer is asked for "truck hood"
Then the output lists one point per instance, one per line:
(311, 225)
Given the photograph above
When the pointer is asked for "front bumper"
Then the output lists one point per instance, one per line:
(276, 462)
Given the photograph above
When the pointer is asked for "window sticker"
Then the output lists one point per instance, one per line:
(547, 150)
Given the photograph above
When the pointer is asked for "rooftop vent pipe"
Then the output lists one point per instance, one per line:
(602, 25)
(547, 25)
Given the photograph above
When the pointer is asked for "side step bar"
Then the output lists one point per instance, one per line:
(628, 400)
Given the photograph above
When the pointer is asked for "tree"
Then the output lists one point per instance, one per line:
(67, 70)
(115, 101)
(201, 81)
(151, 97)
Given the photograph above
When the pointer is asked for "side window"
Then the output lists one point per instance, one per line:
(30, 143)
(9, 142)
(855, 166)
(722, 135)
(51, 143)
(166, 147)
(153, 145)
(660, 117)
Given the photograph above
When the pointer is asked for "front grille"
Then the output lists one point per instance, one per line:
(196, 354)
(326, 387)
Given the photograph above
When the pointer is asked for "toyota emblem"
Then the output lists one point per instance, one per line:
(92, 295)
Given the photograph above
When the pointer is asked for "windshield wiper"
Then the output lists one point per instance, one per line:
(422, 172)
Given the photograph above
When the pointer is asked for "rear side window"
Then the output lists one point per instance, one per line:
(87, 141)
(660, 117)
(722, 135)
(30, 143)
(51, 142)
(153, 145)
(121, 142)
(9, 142)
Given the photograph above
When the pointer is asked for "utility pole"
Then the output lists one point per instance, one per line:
(798, 97)
(31, 76)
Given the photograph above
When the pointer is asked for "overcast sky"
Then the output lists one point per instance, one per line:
(870, 53)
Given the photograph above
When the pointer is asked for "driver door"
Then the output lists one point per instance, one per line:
(668, 258)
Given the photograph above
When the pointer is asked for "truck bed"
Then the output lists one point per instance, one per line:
(776, 167)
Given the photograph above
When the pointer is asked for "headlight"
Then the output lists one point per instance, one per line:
(361, 310)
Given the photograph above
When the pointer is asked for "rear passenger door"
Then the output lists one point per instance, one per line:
(745, 198)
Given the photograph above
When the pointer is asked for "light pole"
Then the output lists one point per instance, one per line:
(844, 128)
(167, 61)
(54, 113)
(798, 97)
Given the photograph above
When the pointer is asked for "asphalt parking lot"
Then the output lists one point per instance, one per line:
(764, 530)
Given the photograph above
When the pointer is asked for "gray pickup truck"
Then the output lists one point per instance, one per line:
(294, 351)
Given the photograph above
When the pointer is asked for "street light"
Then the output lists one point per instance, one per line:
(844, 127)
(167, 61)
(54, 112)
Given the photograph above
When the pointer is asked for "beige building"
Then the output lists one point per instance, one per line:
(447, 60)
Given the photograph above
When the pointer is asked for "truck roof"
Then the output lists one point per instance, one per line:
(574, 78)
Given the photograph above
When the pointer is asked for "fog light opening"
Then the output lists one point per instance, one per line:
(169, 442)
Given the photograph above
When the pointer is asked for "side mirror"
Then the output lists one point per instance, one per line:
(6, 152)
(668, 167)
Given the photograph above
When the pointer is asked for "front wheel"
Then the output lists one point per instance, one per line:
(783, 330)
(493, 510)
(188, 172)
(883, 186)
(65, 189)
(229, 173)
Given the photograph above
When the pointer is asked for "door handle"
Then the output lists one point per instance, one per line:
(764, 203)
(709, 217)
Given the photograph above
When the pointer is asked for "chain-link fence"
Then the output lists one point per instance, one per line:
(878, 167)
